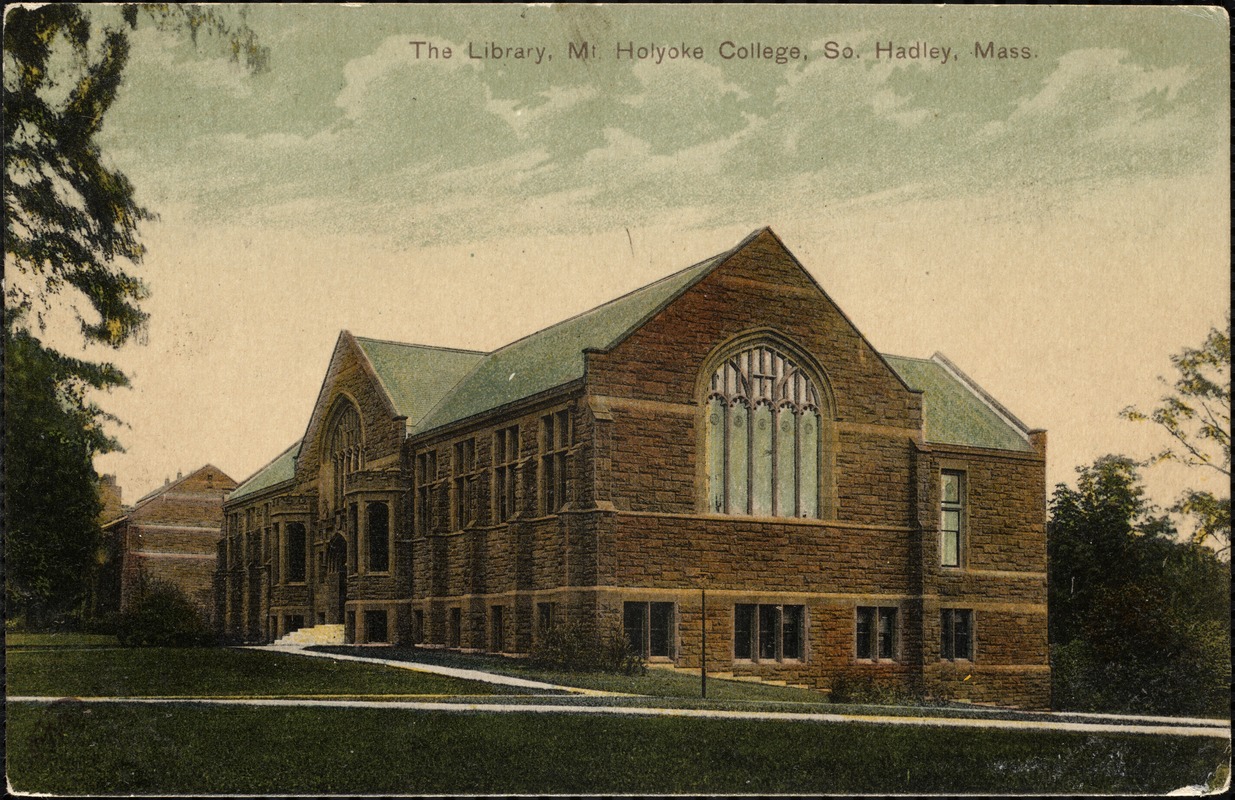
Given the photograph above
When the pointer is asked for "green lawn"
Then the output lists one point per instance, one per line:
(71, 747)
(163, 672)
(656, 683)
(12, 640)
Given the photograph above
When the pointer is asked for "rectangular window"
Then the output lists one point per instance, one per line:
(951, 517)
(650, 628)
(353, 517)
(454, 630)
(505, 458)
(426, 476)
(956, 632)
(768, 632)
(876, 634)
(375, 626)
(418, 626)
(465, 484)
(377, 534)
(497, 623)
(544, 617)
(554, 444)
(294, 536)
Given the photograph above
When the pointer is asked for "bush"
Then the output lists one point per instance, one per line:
(162, 616)
(859, 686)
(569, 646)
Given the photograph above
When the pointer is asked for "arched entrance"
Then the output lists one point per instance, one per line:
(336, 569)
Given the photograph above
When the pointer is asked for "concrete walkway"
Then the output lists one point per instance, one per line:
(453, 672)
(777, 716)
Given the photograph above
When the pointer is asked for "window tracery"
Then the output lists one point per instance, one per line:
(762, 424)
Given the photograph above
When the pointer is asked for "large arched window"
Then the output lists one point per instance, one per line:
(763, 440)
(345, 451)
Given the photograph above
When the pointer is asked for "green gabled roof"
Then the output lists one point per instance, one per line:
(956, 410)
(554, 356)
(283, 468)
(416, 377)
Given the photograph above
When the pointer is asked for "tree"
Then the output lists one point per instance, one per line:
(1138, 622)
(70, 237)
(1196, 413)
(52, 434)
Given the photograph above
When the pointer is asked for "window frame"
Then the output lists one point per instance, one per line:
(763, 474)
(645, 611)
(454, 627)
(294, 556)
(947, 634)
(370, 507)
(756, 630)
(371, 615)
(505, 474)
(554, 441)
(497, 629)
(546, 617)
(464, 508)
(957, 507)
(873, 641)
(426, 479)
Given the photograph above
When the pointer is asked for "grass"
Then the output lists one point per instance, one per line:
(657, 683)
(166, 672)
(69, 747)
(25, 640)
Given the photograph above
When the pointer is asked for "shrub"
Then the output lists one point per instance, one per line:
(859, 686)
(162, 616)
(571, 647)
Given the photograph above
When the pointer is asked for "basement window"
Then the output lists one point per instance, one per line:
(876, 634)
(649, 629)
(768, 632)
(375, 626)
(956, 634)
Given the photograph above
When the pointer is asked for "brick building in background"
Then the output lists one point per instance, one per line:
(171, 534)
(849, 514)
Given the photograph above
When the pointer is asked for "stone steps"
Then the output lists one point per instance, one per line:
(317, 634)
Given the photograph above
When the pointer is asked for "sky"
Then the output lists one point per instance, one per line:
(1055, 223)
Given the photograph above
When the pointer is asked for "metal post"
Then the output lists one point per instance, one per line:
(703, 654)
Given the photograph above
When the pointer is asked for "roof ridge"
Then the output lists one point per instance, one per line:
(167, 487)
(418, 344)
(621, 297)
(482, 363)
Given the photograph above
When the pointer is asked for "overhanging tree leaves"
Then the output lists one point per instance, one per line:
(1197, 415)
(71, 237)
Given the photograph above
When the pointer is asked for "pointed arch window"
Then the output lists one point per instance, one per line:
(346, 457)
(762, 423)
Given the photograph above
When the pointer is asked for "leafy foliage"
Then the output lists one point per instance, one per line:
(69, 221)
(162, 616)
(51, 435)
(1139, 623)
(1197, 415)
(572, 647)
(70, 235)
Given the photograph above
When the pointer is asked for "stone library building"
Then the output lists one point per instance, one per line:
(720, 450)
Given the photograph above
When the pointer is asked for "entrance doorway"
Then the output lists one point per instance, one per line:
(336, 569)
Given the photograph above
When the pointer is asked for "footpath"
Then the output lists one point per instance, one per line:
(1046, 721)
